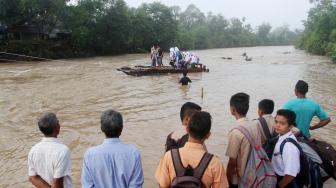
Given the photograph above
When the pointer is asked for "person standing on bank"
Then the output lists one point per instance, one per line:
(113, 163)
(305, 109)
(286, 164)
(239, 148)
(265, 110)
(49, 160)
(192, 163)
(178, 138)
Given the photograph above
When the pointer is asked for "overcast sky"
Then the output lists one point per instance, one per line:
(275, 12)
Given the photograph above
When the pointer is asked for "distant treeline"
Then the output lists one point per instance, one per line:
(319, 35)
(102, 27)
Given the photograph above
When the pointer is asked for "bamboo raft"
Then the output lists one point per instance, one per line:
(149, 70)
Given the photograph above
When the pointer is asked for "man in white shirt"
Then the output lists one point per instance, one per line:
(49, 160)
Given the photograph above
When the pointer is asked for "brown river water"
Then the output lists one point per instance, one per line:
(79, 90)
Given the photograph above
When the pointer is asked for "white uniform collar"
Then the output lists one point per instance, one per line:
(283, 137)
(242, 119)
(50, 139)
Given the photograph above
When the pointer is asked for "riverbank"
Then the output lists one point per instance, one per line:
(51, 50)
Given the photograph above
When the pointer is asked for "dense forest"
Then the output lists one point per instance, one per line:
(319, 35)
(62, 28)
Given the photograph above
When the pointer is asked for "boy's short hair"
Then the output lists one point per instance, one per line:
(289, 115)
(266, 105)
(188, 106)
(199, 125)
(184, 73)
(240, 101)
(48, 123)
(301, 87)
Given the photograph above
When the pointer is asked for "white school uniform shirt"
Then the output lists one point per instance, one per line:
(188, 58)
(50, 159)
(289, 162)
(194, 59)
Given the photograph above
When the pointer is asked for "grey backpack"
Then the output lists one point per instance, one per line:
(189, 177)
(258, 172)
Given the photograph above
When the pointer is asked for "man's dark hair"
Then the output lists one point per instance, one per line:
(301, 87)
(266, 105)
(111, 123)
(240, 101)
(48, 123)
(289, 115)
(184, 73)
(188, 106)
(199, 125)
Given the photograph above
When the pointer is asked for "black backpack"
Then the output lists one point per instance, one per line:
(160, 52)
(327, 154)
(179, 54)
(271, 140)
(189, 177)
(175, 144)
(309, 174)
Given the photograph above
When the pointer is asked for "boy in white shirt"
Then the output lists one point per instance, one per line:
(286, 165)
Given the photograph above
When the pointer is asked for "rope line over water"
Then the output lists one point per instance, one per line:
(28, 56)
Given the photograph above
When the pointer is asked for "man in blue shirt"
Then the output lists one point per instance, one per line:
(305, 109)
(113, 163)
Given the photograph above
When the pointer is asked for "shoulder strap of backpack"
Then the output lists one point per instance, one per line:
(178, 166)
(248, 136)
(291, 140)
(202, 165)
(265, 127)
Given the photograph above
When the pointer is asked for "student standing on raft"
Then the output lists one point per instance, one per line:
(154, 53)
(159, 56)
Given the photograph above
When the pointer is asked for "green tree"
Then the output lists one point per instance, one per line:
(163, 26)
(114, 29)
(192, 17)
(319, 34)
(263, 34)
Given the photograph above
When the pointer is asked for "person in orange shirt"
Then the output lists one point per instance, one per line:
(191, 155)
(178, 138)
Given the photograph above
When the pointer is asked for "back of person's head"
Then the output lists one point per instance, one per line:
(289, 115)
(240, 102)
(185, 73)
(188, 106)
(48, 124)
(187, 115)
(199, 125)
(301, 87)
(266, 106)
(111, 123)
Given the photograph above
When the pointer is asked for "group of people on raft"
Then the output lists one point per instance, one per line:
(178, 59)
(186, 162)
